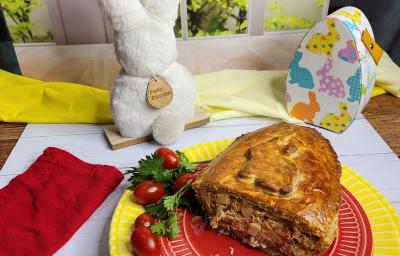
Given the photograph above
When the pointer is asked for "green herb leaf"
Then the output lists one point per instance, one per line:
(168, 227)
(158, 210)
(166, 210)
(145, 171)
(172, 226)
(151, 168)
(171, 202)
(166, 177)
(159, 229)
(151, 163)
(184, 162)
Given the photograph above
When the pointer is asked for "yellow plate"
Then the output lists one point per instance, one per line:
(385, 222)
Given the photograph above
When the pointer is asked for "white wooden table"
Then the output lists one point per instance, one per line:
(360, 147)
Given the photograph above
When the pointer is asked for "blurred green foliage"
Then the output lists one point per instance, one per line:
(222, 17)
(280, 21)
(178, 25)
(19, 11)
(205, 18)
(215, 17)
(320, 3)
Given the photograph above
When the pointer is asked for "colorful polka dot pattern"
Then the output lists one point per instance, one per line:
(349, 54)
(334, 58)
(306, 112)
(300, 75)
(337, 123)
(355, 86)
(321, 43)
(328, 82)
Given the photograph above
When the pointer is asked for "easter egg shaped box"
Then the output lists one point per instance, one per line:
(332, 74)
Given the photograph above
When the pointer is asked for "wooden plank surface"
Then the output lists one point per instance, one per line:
(383, 113)
(9, 135)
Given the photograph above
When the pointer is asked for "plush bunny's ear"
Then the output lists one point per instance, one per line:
(164, 11)
(123, 14)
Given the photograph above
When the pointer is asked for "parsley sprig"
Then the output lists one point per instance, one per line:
(151, 168)
(167, 211)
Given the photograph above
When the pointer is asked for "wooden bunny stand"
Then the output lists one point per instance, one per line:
(154, 96)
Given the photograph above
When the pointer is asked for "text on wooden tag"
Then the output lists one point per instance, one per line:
(159, 92)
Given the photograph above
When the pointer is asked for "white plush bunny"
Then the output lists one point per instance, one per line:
(145, 46)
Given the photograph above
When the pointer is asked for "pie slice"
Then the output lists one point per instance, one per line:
(276, 189)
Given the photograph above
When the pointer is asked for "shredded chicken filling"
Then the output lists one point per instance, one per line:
(248, 222)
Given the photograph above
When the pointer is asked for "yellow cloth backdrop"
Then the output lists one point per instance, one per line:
(388, 76)
(31, 101)
(235, 93)
(224, 94)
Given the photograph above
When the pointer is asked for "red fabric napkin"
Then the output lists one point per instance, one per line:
(42, 208)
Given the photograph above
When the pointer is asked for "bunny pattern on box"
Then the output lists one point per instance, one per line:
(338, 122)
(145, 46)
(328, 82)
(323, 43)
(300, 75)
(334, 71)
(305, 111)
(349, 53)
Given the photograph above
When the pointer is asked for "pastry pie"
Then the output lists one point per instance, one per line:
(276, 189)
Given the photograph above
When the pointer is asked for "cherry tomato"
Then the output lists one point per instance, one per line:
(182, 181)
(171, 159)
(144, 220)
(148, 192)
(145, 243)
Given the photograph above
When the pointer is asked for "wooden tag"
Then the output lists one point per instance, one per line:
(372, 46)
(159, 92)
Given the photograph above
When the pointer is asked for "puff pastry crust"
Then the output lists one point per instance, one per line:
(277, 189)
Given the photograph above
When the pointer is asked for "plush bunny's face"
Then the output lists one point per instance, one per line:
(165, 11)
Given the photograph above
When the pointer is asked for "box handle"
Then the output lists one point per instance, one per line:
(373, 47)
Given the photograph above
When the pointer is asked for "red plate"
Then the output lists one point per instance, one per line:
(355, 237)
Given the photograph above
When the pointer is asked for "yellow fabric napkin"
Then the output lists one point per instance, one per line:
(235, 93)
(388, 76)
(224, 94)
(32, 101)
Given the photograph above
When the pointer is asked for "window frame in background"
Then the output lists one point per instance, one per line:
(255, 16)
(64, 20)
